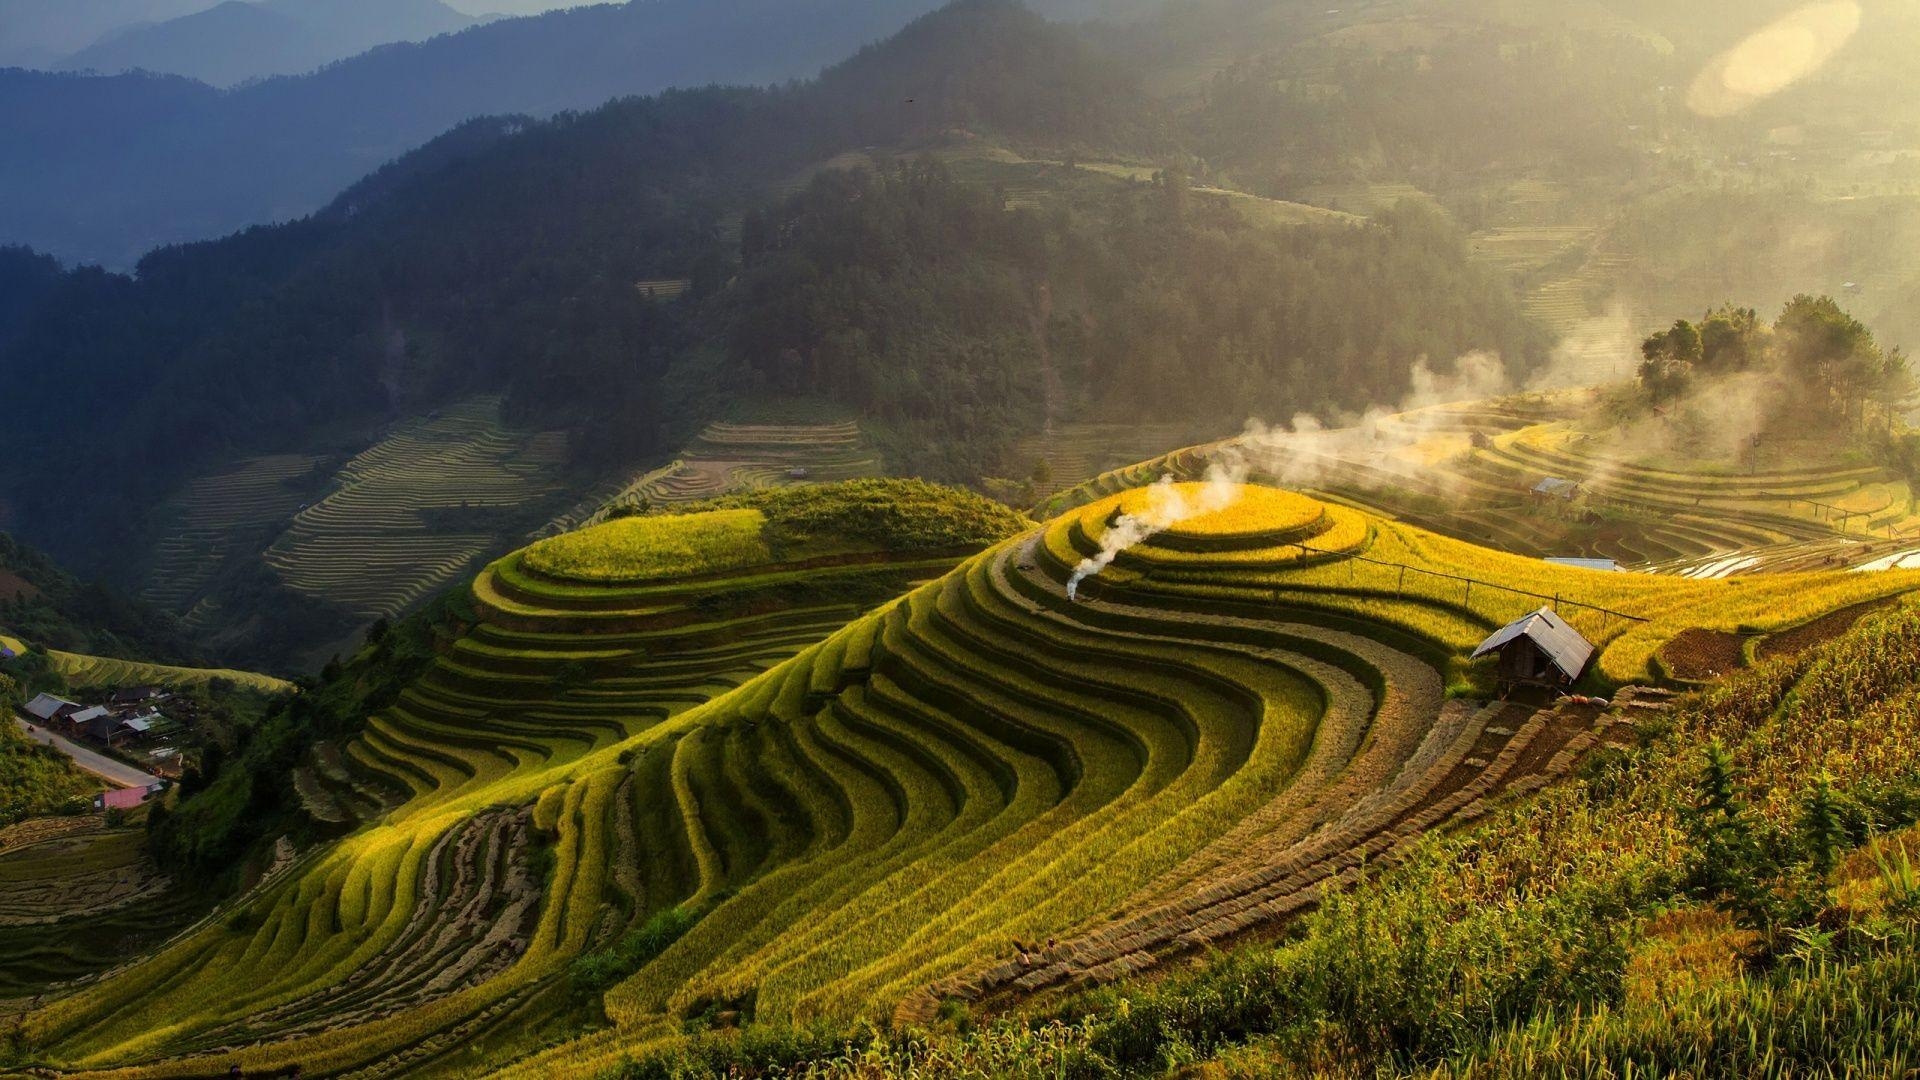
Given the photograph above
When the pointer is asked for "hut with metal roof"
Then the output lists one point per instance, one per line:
(1554, 487)
(1539, 650)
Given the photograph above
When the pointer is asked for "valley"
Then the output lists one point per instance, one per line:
(839, 540)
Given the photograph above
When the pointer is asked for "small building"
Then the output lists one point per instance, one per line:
(126, 798)
(94, 722)
(47, 709)
(132, 730)
(1604, 565)
(1539, 650)
(136, 695)
(1553, 487)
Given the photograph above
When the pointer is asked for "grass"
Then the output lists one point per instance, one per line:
(36, 780)
(97, 671)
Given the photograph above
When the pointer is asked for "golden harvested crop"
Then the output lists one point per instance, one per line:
(645, 548)
(1208, 509)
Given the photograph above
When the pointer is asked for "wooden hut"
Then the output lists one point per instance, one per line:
(1539, 650)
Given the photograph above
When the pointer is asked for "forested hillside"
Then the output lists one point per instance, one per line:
(503, 257)
(45, 605)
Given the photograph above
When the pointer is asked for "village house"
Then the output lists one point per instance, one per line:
(131, 696)
(50, 710)
(133, 729)
(95, 722)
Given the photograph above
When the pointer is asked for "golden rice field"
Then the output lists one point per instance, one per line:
(977, 790)
(1467, 471)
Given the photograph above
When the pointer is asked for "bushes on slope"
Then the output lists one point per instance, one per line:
(34, 779)
(645, 548)
(873, 514)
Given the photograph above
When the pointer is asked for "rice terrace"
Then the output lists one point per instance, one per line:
(665, 763)
(959, 540)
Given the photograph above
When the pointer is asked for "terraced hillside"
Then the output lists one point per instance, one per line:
(731, 457)
(414, 512)
(76, 898)
(554, 678)
(1468, 471)
(1076, 453)
(982, 787)
(102, 671)
(221, 517)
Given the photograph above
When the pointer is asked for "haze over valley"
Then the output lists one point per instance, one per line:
(889, 538)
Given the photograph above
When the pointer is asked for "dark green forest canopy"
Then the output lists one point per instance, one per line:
(47, 606)
(502, 258)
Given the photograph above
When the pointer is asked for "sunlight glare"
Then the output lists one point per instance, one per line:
(1774, 58)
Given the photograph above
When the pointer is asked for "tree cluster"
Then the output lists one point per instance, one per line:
(1827, 360)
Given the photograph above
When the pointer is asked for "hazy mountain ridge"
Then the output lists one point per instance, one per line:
(34, 32)
(247, 39)
(122, 171)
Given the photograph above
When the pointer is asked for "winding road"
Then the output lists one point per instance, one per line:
(113, 772)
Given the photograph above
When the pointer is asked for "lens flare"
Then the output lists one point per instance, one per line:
(1774, 58)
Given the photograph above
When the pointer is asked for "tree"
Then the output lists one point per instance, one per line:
(1822, 829)
(1665, 378)
(1731, 340)
(1680, 342)
(1042, 473)
(1832, 355)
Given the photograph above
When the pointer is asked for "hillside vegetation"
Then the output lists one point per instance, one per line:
(42, 603)
(950, 313)
(35, 780)
(709, 804)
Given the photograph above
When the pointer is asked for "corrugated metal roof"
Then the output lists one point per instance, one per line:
(139, 724)
(1553, 485)
(123, 798)
(1561, 643)
(46, 706)
(1588, 564)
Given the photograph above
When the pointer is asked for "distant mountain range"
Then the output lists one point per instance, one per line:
(249, 39)
(106, 168)
(36, 33)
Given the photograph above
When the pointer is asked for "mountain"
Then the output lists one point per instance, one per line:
(490, 279)
(244, 39)
(37, 32)
(106, 168)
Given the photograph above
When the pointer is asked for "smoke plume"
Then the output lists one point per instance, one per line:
(1167, 505)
